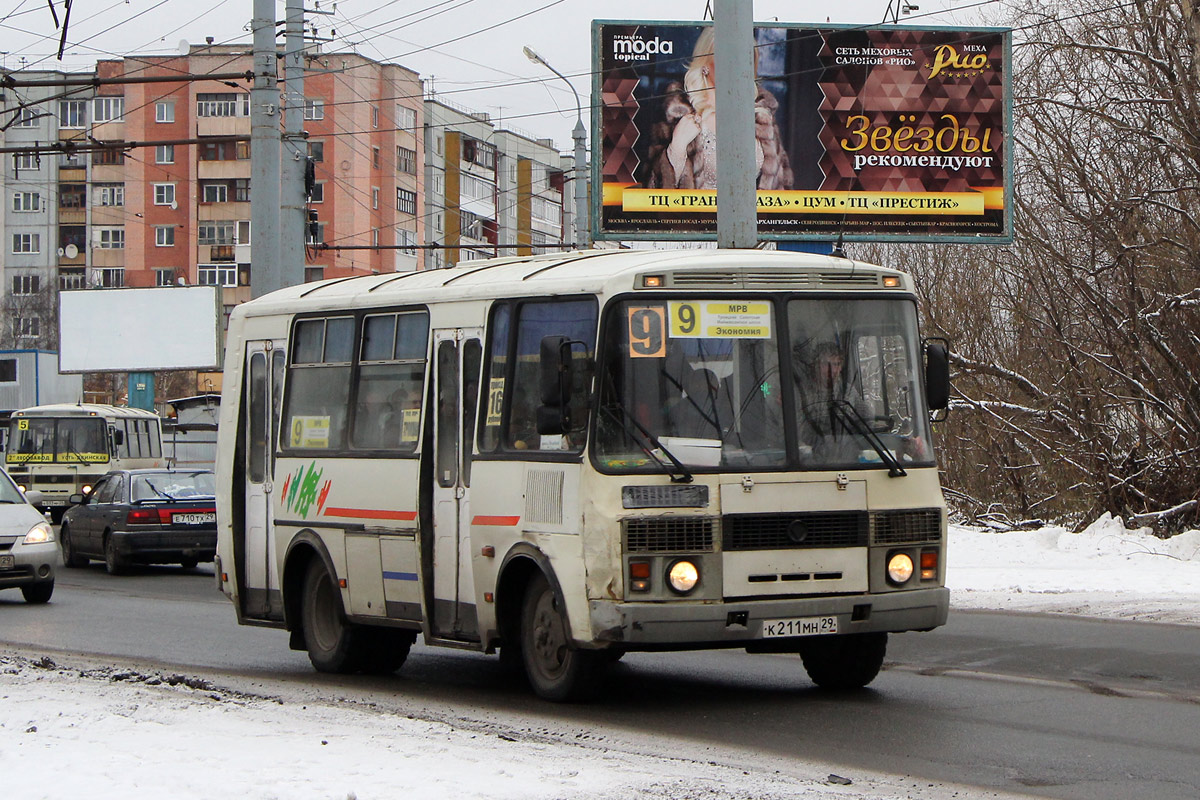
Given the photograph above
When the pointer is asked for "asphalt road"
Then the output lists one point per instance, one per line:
(1051, 706)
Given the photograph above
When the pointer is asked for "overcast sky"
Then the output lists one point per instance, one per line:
(468, 50)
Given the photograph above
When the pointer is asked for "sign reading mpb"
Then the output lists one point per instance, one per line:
(882, 134)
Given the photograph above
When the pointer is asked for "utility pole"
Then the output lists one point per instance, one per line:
(265, 273)
(293, 201)
(733, 51)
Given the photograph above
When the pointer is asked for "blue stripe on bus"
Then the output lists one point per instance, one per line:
(400, 576)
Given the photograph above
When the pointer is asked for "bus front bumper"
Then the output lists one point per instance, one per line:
(740, 623)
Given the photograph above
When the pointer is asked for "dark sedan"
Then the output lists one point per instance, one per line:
(146, 516)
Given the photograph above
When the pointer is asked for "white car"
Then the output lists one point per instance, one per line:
(28, 552)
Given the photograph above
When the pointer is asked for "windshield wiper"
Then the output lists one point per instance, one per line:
(854, 420)
(158, 491)
(680, 474)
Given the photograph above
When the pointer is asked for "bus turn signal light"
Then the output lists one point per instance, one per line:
(929, 565)
(639, 576)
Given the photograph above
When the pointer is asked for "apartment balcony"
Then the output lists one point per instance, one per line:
(206, 212)
(216, 253)
(222, 126)
(72, 216)
(108, 257)
(104, 173)
(227, 170)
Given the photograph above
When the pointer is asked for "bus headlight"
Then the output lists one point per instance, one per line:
(899, 568)
(682, 576)
(39, 534)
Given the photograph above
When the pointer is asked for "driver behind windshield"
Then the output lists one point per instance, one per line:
(825, 398)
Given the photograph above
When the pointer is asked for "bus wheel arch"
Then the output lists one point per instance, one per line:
(303, 549)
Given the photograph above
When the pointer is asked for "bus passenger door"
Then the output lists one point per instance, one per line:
(457, 361)
(261, 598)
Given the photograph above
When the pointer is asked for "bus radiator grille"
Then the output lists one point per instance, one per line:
(669, 535)
(792, 531)
(906, 527)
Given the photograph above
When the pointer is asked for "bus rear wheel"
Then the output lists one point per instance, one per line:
(332, 642)
(844, 662)
(557, 670)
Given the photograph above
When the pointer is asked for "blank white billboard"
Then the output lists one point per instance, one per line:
(139, 330)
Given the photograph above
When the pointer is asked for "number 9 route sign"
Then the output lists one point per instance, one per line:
(651, 326)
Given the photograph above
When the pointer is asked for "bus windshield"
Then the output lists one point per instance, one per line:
(42, 440)
(720, 383)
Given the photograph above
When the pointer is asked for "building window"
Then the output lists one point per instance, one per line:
(477, 152)
(374, 116)
(164, 277)
(27, 243)
(470, 225)
(72, 236)
(437, 222)
(110, 277)
(110, 238)
(218, 275)
(27, 327)
(437, 145)
(375, 157)
(214, 193)
(314, 109)
(164, 111)
(224, 104)
(314, 233)
(110, 194)
(164, 194)
(108, 109)
(406, 161)
(314, 274)
(374, 197)
(25, 118)
(224, 151)
(406, 201)
(72, 195)
(407, 240)
(72, 279)
(72, 113)
(27, 201)
(109, 156)
(318, 193)
(316, 151)
(216, 233)
(8, 370)
(164, 154)
(164, 235)
(406, 118)
(241, 190)
(375, 237)
(26, 162)
(26, 284)
(438, 186)
(243, 231)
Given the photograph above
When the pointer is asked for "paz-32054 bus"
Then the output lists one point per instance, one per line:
(567, 457)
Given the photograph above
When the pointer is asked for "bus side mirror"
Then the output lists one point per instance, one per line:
(554, 363)
(118, 437)
(937, 373)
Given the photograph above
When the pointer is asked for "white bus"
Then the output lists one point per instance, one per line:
(63, 449)
(567, 457)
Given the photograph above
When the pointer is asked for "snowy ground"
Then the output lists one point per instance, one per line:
(70, 728)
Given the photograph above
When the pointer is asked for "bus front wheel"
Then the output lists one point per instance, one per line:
(557, 670)
(850, 661)
(329, 638)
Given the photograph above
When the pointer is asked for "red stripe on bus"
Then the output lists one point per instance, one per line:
(370, 513)
(486, 520)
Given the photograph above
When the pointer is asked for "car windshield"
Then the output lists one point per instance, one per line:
(9, 493)
(174, 486)
(704, 383)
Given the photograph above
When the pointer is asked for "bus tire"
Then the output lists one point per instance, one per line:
(70, 555)
(384, 650)
(557, 670)
(331, 641)
(844, 662)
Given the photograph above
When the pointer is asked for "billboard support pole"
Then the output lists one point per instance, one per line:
(265, 273)
(737, 217)
(293, 207)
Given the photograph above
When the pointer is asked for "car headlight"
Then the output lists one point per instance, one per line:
(683, 576)
(39, 534)
(899, 568)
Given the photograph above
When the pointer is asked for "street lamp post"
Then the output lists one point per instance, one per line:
(580, 137)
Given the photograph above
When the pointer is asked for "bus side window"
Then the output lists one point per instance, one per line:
(492, 412)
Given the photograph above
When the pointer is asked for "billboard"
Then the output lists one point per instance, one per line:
(139, 330)
(879, 133)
